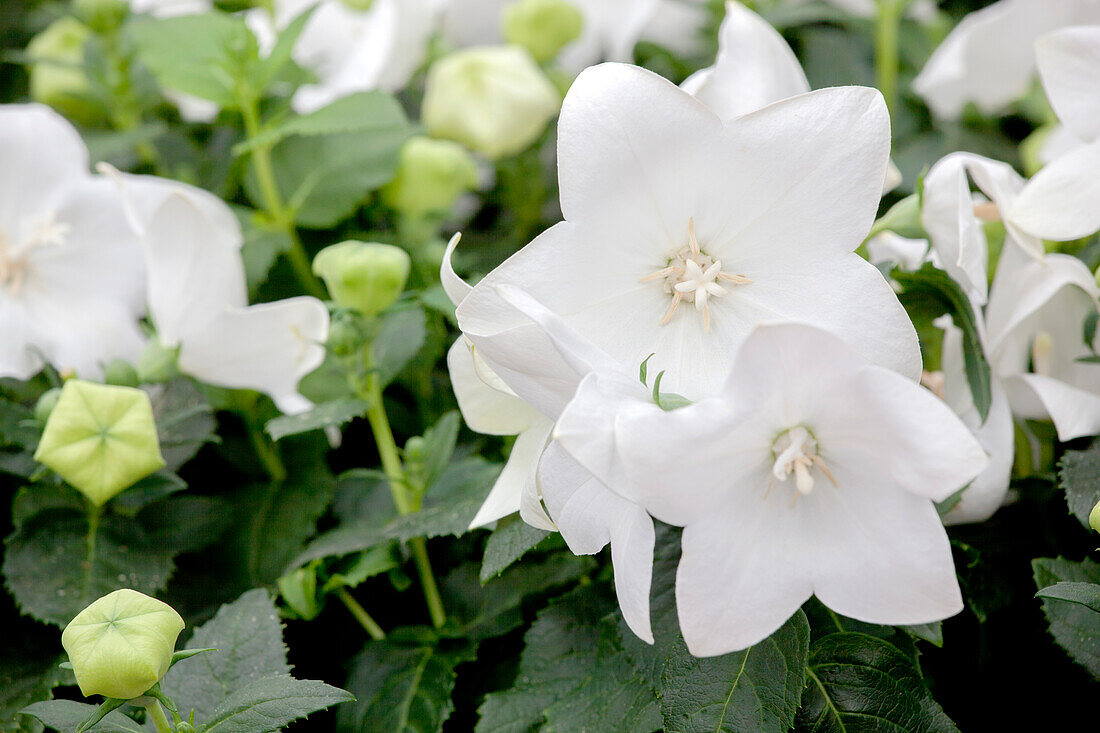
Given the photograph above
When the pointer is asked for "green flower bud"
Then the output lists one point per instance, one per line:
(365, 277)
(299, 589)
(101, 439)
(431, 174)
(46, 403)
(121, 373)
(1094, 517)
(56, 74)
(122, 644)
(102, 16)
(157, 363)
(543, 27)
(493, 99)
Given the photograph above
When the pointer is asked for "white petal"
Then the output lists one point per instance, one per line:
(44, 158)
(267, 347)
(1062, 201)
(504, 497)
(1074, 411)
(1069, 65)
(194, 275)
(754, 68)
(888, 247)
(455, 287)
(947, 214)
(484, 408)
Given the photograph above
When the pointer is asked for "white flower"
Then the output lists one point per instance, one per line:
(1063, 199)
(651, 180)
(352, 50)
(987, 58)
(171, 8)
(790, 482)
(71, 275)
(198, 300)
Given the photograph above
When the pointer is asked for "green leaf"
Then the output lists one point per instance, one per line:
(1080, 476)
(330, 414)
(757, 689)
(1076, 628)
(185, 421)
(29, 671)
(932, 288)
(49, 568)
(1085, 594)
(860, 682)
(280, 55)
(510, 541)
(262, 246)
(270, 703)
(186, 523)
(209, 55)
(375, 561)
(249, 639)
(400, 689)
(400, 336)
(439, 446)
(66, 715)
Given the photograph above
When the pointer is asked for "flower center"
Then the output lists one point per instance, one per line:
(15, 265)
(795, 451)
(692, 276)
(1041, 349)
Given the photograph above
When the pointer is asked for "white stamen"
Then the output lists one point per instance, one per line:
(15, 265)
(1041, 349)
(795, 452)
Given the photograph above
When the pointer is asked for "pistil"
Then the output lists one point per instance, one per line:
(795, 451)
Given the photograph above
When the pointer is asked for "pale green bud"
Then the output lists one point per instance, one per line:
(493, 99)
(431, 174)
(543, 27)
(46, 403)
(102, 16)
(56, 74)
(1094, 517)
(157, 363)
(122, 644)
(364, 276)
(101, 439)
(120, 372)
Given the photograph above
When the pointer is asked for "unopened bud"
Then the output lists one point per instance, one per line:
(431, 174)
(299, 589)
(157, 363)
(543, 27)
(122, 644)
(1094, 517)
(57, 76)
(364, 276)
(494, 100)
(121, 373)
(101, 439)
(46, 403)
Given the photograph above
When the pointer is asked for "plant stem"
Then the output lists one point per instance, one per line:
(395, 473)
(361, 615)
(94, 514)
(273, 201)
(887, 24)
(156, 714)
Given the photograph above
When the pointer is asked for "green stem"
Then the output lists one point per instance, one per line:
(361, 615)
(399, 488)
(887, 24)
(156, 714)
(94, 514)
(273, 201)
(265, 451)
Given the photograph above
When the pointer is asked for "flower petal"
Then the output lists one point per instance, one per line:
(1075, 412)
(1069, 66)
(485, 409)
(1062, 201)
(504, 498)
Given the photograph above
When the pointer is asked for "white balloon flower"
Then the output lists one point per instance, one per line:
(71, 275)
(789, 482)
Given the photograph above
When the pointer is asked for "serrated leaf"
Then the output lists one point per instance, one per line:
(860, 682)
(66, 715)
(1080, 477)
(1084, 594)
(29, 671)
(270, 703)
(439, 445)
(1076, 628)
(400, 689)
(935, 289)
(152, 488)
(510, 541)
(376, 113)
(372, 562)
(186, 523)
(185, 421)
(400, 336)
(330, 414)
(248, 637)
(208, 55)
(53, 576)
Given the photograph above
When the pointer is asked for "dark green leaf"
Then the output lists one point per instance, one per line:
(1076, 628)
(400, 689)
(372, 562)
(281, 53)
(860, 682)
(510, 541)
(29, 671)
(185, 421)
(401, 335)
(270, 703)
(1080, 475)
(329, 414)
(154, 487)
(186, 523)
(1085, 594)
(933, 288)
(249, 641)
(370, 113)
(66, 715)
(439, 445)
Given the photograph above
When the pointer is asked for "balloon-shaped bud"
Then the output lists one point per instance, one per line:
(120, 372)
(122, 644)
(431, 174)
(57, 75)
(493, 99)
(44, 407)
(364, 276)
(101, 439)
(543, 27)
(1094, 517)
